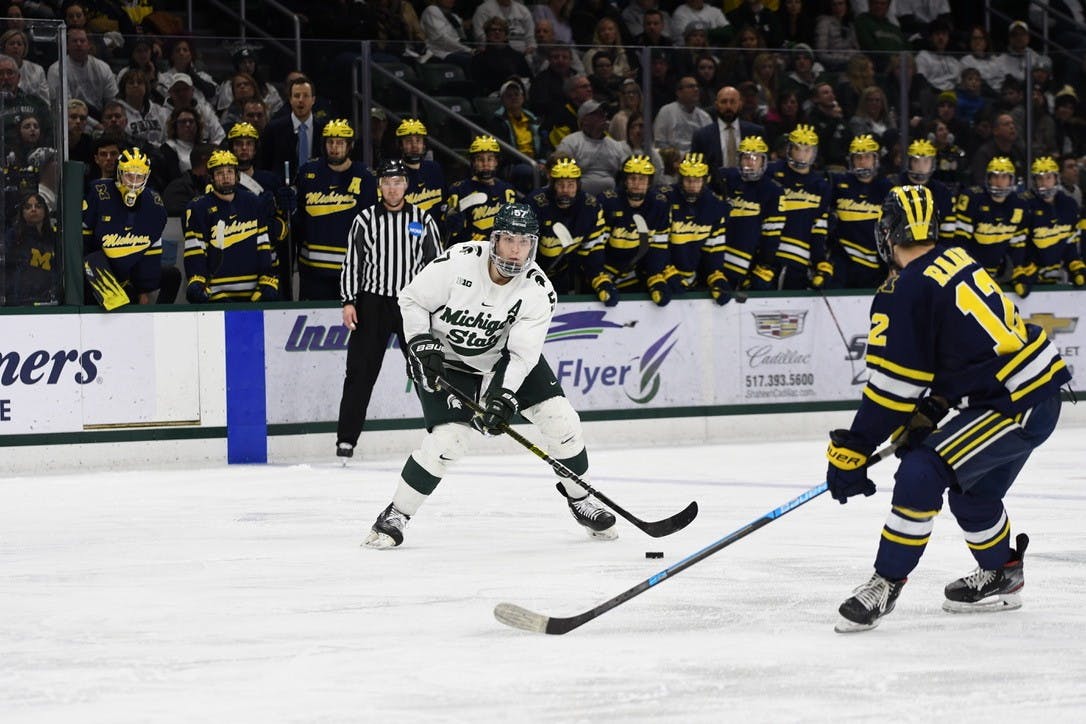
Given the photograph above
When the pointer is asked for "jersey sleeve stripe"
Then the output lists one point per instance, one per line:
(896, 387)
(899, 370)
(1019, 359)
(888, 403)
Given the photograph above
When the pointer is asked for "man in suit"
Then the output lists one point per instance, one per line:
(295, 137)
(719, 141)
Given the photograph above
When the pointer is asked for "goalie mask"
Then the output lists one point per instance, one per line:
(693, 172)
(514, 239)
(222, 167)
(1046, 177)
(133, 170)
(753, 156)
(908, 218)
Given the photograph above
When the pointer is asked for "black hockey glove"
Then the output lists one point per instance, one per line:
(822, 276)
(425, 361)
(1022, 280)
(929, 411)
(847, 471)
(1076, 273)
(286, 198)
(605, 290)
(762, 278)
(501, 405)
(267, 290)
(196, 292)
(720, 290)
(659, 291)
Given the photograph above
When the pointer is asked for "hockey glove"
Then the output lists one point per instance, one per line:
(847, 472)
(1022, 280)
(761, 279)
(196, 292)
(822, 276)
(1076, 273)
(659, 291)
(501, 405)
(929, 412)
(286, 198)
(425, 361)
(719, 289)
(267, 291)
(607, 292)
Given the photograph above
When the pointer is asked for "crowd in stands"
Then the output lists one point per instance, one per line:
(548, 78)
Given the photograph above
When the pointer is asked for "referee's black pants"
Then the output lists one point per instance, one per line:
(378, 319)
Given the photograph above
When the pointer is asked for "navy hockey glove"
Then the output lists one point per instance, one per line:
(822, 276)
(605, 290)
(266, 291)
(286, 198)
(719, 289)
(929, 411)
(1022, 280)
(501, 405)
(847, 471)
(1076, 273)
(659, 291)
(761, 279)
(196, 291)
(425, 361)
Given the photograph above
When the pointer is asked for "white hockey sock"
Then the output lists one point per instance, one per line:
(406, 499)
(573, 490)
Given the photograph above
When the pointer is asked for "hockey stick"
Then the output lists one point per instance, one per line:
(518, 617)
(840, 332)
(471, 201)
(566, 240)
(656, 529)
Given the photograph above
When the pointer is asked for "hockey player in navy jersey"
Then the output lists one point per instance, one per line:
(755, 218)
(697, 237)
(1052, 249)
(991, 220)
(570, 232)
(331, 191)
(636, 218)
(477, 316)
(425, 178)
(919, 167)
(943, 336)
(851, 260)
(805, 199)
(122, 235)
(473, 202)
(228, 256)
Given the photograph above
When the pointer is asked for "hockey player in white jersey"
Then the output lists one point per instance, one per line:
(477, 317)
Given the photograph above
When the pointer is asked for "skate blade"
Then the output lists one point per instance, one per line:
(378, 541)
(1005, 602)
(609, 534)
(844, 626)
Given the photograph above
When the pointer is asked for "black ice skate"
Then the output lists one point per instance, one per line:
(983, 591)
(868, 604)
(344, 450)
(599, 522)
(387, 532)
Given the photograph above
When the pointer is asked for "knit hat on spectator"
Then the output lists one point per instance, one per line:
(802, 49)
(1066, 94)
(695, 26)
(947, 97)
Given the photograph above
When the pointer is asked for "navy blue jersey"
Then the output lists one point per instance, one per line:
(943, 325)
(698, 237)
(426, 187)
(755, 221)
(1053, 236)
(856, 207)
(328, 201)
(584, 221)
(622, 241)
(472, 206)
(131, 238)
(991, 231)
(227, 245)
(805, 204)
(944, 205)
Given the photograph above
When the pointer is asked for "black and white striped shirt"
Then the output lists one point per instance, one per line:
(386, 249)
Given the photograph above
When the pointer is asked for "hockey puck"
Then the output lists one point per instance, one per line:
(654, 554)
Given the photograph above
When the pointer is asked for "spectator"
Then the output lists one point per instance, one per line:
(630, 101)
(517, 21)
(876, 33)
(30, 256)
(1042, 79)
(392, 24)
(946, 110)
(189, 184)
(45, 161)
(31, 75)
(750, 110)
(677, 121)
(27, 139)
(607, 39)
(600, 157)
(446, 34)
(806, 71)
(787, 114)
(827, 119)
(146, 119)
(695, 46)
(242, 90)
(605, 83)
(548, 91)
(1068, 35)
(696, 11)
(80, 143)
(561, 120)
(1013, 62)
(183, 61)
(860, 77)
(1043, 126)
(89, 79)
(718, 140)
(633, 17)
(1070, 128)
(498, 59)
(557, 13)
(875, 118)
(107, 149)
(635, 143)
(1069, 178)
(255, 113)
(182, 95)
(184, 129)
(951, 167)
(835, 35)
(585, 14)
(796, 24)
(915, 17)
(244, 59)
(917, 105)
(1012, 100)
(1004, 142)
(766, 77)
(516, 125)
(142, 57)
(980, 57)
(756, 14)
(663, 78)
(705, 73)
(939, 69)
(654, 28)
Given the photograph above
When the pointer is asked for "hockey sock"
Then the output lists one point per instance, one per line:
(406, 499)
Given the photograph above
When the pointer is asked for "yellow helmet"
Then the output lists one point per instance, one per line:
(565, 168)
(484, 144)
(864, 143)
(755, 144)
(410, 127)
(338, 128)
(221, 158)
(920, 161)
(922, 147)
(639, 163)
(999, 165)
(861, 146)
(1044, 164)
(694, 165)
(243, 130)
(133, 170)
(803, 135)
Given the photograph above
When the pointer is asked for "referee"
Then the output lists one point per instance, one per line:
(388, 244)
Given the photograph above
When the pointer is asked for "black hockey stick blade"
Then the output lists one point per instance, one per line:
(519, 617)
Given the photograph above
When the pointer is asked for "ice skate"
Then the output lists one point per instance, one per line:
(868, 604)
(984, 591)
(598, 521)
(387, 531)
(344, 450)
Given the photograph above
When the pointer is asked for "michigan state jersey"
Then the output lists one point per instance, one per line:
(943, 325)
(991, 231)
(805, 199)
(426, 187)
(481, 324)
(1053, 236)
(626, 259)
(755, 221)
(856, 207)
(227, 245)
(471, 207)
(583, 220)
(130, 237)
(697, 238)
(328, 201)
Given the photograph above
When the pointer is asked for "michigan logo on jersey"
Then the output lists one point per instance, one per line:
(779, 325)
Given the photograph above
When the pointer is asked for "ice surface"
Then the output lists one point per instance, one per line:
(241, 594)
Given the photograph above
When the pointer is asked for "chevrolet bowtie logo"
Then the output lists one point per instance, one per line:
(1052, 324)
